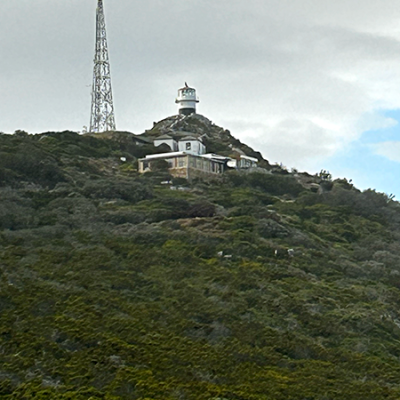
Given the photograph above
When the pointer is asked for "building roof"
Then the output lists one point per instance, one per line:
(164, 155)
(186, 87)
(249, 158)
(141, 138)
(214, 157)
(185, 133)
(165, 136)
(191, 138)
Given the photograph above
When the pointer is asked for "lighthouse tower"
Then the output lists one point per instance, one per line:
(187, 100)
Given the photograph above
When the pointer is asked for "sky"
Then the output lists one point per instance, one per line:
(312, 84)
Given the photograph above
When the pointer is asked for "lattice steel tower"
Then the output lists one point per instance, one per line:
(102, 114)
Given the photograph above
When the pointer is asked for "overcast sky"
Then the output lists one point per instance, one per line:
(312, 84)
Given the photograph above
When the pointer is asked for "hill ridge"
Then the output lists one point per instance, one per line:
(115, 285)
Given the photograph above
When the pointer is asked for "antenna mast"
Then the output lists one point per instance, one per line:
(102, 114)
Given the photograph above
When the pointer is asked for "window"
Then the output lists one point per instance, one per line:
(189, 146)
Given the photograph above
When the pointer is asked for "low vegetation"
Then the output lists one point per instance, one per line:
(114, 286)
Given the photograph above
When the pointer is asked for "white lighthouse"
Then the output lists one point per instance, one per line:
(187, 100)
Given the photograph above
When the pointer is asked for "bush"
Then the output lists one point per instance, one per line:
(275, 184)
(159, 165)
(268, 228)
(201, 209)
(365, 203)
(269, 183)
(180, 181)
(30, 164)
(111, 188)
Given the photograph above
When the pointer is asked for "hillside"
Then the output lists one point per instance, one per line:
(260, 286)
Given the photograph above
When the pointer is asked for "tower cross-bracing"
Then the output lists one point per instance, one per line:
(102, 114)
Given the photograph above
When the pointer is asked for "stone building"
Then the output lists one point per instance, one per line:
(186, 165)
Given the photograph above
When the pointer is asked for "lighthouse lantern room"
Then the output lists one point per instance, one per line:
(187, 100)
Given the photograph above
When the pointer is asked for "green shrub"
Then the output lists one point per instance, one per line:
(269, 183)
(117, 188)
(201, 209)
(159, 165)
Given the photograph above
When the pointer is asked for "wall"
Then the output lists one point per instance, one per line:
(170, 142)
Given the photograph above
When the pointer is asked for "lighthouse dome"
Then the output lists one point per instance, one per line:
(187, 100)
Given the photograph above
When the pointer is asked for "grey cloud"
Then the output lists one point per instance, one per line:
(294, 142)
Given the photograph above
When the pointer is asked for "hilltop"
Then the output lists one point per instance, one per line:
(262, 286)
(216, 139)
